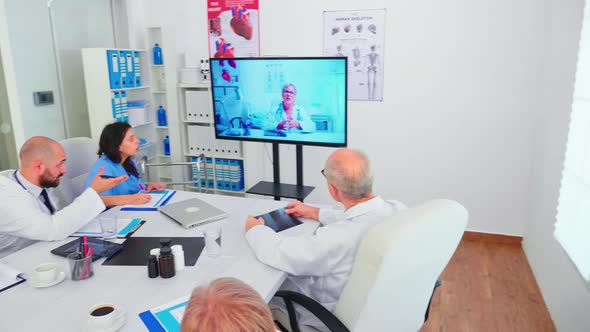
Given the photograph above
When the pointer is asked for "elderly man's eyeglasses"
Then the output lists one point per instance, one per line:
(289, 92)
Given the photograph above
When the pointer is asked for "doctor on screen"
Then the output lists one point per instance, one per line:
(289, 115)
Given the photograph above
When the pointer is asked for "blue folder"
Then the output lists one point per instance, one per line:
(151, 322)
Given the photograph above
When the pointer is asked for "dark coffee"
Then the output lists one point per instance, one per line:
(102, 311)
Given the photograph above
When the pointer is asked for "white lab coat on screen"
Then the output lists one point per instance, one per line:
(320, 264)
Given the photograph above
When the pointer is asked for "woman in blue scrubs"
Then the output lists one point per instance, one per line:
(117, 146)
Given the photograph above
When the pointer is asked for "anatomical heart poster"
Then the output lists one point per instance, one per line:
(359, 35)
(233, 27)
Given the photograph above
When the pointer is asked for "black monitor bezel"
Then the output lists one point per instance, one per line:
(241, 138)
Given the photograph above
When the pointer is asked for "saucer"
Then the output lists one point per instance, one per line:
(42, 284)
(119, 322)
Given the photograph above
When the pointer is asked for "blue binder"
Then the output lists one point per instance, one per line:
(219, 174)
(124, 115)
(236, 175)
(226, 175)
(114, 72)
(114, 103)
(123, 70)
(129, 81)
(209, 170)
(136, 68)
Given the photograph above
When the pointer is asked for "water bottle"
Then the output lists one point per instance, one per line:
(167, 146)
(157, 55)
(162, 118)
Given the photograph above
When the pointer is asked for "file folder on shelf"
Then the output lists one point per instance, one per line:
(136, 68)
(226, 175)
(210, 170)
(195, 173)
(123, 70)
(114, 73)
(114, 103)
(129, 68)
(219, 174)
(236, 175)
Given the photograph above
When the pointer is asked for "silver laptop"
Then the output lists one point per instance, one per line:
(192, 212)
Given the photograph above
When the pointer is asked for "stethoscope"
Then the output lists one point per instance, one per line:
(17, 180)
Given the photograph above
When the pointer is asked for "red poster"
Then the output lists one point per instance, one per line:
(233, 28)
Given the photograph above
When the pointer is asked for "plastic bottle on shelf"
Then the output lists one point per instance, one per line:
(162, 117)
(157, 55)
(167, 146)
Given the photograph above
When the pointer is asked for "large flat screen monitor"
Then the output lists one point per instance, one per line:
(284, 100)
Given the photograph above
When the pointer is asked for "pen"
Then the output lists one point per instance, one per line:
(141, 187)
(81, 247)
(85, 239)
(107, 176)
(139, 209)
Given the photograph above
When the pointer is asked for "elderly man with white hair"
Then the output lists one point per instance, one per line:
(320, 264)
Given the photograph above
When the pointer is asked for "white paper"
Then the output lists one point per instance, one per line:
(93, 227)
(157, 199)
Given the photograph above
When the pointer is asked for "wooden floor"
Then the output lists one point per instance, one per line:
(488, 286)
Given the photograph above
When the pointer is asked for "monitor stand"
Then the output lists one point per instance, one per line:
(278, 189)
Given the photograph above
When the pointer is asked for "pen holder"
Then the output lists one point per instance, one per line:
(80, 267)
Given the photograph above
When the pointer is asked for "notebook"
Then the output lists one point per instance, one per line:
(192, 212)
(10, 276)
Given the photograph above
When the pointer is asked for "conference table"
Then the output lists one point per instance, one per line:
(65, 306)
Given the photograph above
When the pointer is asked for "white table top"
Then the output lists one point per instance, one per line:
(64, 307)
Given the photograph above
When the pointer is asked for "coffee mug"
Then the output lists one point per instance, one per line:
(46, 272)
(104, 316)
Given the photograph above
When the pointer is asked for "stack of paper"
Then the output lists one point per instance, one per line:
(124, 227)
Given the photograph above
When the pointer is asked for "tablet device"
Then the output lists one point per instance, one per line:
(279, 220)
(102, 248)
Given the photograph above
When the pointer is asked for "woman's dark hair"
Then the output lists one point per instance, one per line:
(111, 137)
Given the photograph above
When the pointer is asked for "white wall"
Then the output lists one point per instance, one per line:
(565, 292)
(458, 118)
(93, 28)
(34, 64)
(8, 155)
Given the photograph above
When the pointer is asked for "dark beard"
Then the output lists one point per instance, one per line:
(46, 182)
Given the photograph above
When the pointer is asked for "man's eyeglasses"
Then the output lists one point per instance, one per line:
(289, 92)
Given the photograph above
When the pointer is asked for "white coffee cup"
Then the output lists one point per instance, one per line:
(46, 272)
(104, 316)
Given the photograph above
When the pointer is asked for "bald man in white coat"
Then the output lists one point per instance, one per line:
(320, 264)
(28, 210)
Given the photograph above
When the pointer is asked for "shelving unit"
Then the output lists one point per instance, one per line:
(197, 134)
(163, 92)
(157, 87)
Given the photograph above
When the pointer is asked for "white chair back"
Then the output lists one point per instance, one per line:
(397, 265)
(80, 156)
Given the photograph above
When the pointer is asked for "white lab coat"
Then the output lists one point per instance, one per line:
(320, 264)
(24, 218)
(299, 114)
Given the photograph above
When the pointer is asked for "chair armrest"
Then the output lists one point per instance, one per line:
(323, 314)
